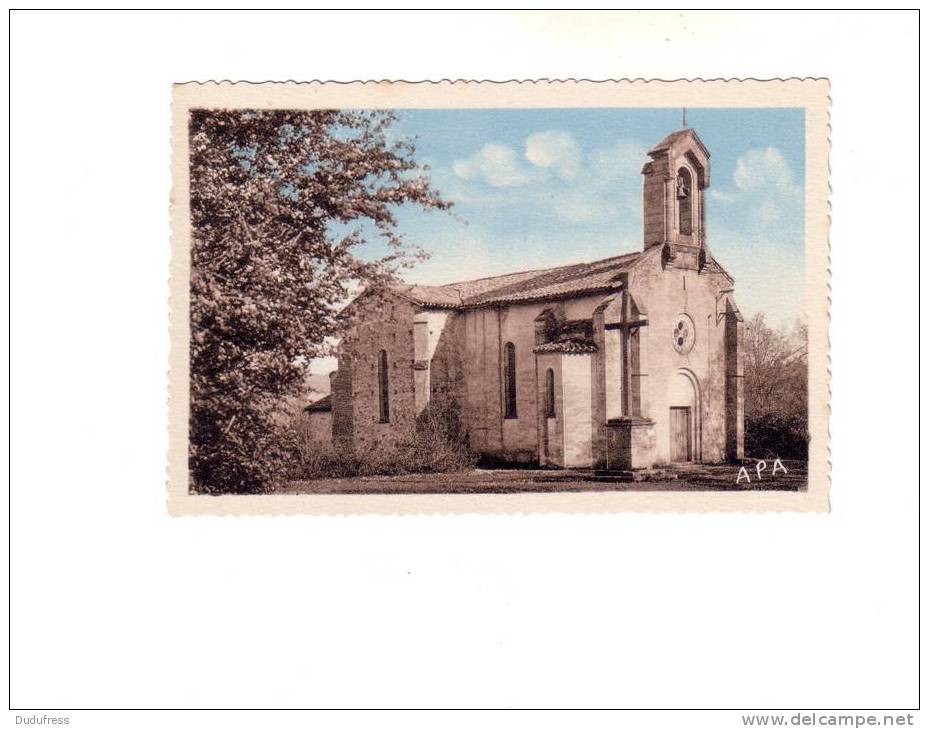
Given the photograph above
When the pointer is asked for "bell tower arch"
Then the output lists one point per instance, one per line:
(674, 195)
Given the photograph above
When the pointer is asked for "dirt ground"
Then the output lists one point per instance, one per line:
(515, 480)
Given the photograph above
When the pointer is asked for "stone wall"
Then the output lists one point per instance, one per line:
(663, 293)
(484, 332)
(735, 394)
(442, 346)
(382, 325)
(424, 368)
(343, 430)
(631, 444)
(576, 410)
(654, 194)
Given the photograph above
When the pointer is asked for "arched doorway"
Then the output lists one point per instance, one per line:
(684, 417)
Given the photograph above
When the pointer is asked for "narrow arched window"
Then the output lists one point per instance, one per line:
(549, 393)
(509, 379)
(685, 214)
(383, 387)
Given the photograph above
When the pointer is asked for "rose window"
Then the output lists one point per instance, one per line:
(683, 334)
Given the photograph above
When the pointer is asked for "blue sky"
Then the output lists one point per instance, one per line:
(542, 187)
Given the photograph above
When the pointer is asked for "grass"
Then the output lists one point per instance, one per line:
(480, 480)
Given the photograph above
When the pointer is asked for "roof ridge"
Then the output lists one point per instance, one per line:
(554, 281)
(546, 269)
(669, 139)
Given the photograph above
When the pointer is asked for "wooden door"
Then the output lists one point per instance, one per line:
(680, 435)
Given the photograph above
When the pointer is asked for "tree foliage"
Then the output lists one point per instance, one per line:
(776, 371)
(281, 204)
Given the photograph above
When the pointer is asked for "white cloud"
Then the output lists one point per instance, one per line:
(764, 188)
(495, 164)
(762, 168)
(557, 151)
(608, 185)
(552, 156)
(555, 177)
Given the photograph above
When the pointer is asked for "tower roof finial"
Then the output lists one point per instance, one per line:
(684, 117)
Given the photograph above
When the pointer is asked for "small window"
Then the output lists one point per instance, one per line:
(509, 380)
(549, 393)
(383, 387)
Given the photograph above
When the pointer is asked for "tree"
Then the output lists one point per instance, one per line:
(280, 202)
(775, 368)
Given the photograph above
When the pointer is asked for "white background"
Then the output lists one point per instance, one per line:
(114, 604)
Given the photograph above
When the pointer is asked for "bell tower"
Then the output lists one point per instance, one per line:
(673, 194)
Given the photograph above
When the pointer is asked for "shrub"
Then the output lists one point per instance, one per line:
(436, 444)
(773, 435)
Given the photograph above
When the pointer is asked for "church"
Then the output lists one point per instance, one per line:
(629, 362)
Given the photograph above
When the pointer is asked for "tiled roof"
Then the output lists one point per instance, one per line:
(322, 405)
(713, 265)
(441, 296)
(569, 346)
(669, 140)
(524, 286)
(673, 137)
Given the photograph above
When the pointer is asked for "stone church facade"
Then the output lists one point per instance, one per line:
(624, 363)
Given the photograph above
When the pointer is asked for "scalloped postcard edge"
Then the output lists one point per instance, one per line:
(811, 94)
